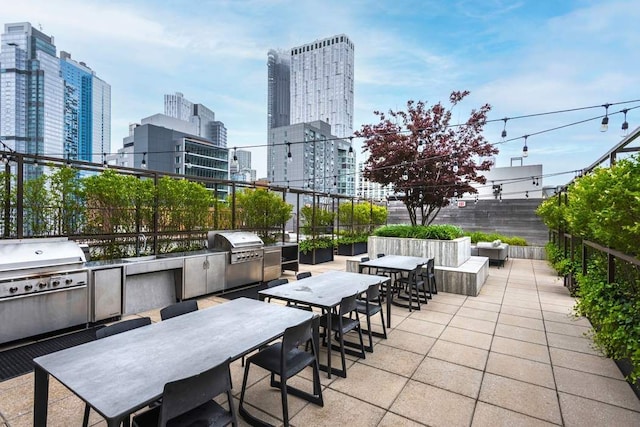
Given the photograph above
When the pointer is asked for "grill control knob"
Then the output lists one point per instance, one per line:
(55, 283)
(42, 285)
(68, 281)
(13, 289)
(28, 287)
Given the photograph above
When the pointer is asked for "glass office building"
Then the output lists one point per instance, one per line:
(47, 104)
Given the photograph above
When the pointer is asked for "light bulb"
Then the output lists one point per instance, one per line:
(605, 124)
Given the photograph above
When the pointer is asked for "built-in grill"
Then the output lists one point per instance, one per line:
(43, 287)
(244, 261)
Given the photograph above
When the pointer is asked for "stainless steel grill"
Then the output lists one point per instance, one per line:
(244, 261)
(241, 245)
(43, 286)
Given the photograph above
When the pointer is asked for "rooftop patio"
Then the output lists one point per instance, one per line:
(511, 356)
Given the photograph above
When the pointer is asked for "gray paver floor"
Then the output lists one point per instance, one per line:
(513, 355)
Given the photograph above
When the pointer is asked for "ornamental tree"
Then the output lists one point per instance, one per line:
(424, 158)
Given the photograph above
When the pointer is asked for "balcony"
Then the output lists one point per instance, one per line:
(513, 355)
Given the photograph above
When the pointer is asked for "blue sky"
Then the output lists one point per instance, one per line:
(522, 57)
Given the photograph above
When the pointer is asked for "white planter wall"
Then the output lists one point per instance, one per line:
(446, 253)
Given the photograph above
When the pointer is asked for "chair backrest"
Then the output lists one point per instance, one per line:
(295, 336)
(125, 325)
(185, 394)
(277, 282)
(348, 304)
(417, 273)
(178, 309)
(431, 266)
(303, 275)
(380, 255)
(364, 259)
(373, 292)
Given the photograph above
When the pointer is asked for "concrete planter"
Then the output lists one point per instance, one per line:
(446, 253)
(527, 252)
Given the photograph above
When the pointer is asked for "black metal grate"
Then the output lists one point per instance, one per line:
(18, 361)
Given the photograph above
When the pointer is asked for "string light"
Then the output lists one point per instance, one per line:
(289, 156)
(104, 160)
(525, 149)
(350, 152)
(144, 160)
(235, 156)
(605, 120)
(504, 129)
(625, 124)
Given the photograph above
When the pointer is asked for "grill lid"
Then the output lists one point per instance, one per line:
(38, 253)
(235, 240)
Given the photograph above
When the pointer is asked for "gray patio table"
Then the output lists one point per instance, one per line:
(398, 263)
(324, 291)
(123, 373)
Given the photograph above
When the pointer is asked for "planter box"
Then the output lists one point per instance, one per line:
(317, 256)
(352, 249)
(446, 253)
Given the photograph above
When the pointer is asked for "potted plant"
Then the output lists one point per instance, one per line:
(317, 247)
(316, 251)
(352, 244)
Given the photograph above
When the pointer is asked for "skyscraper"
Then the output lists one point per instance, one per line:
(312, 125)
(310, 82)
(48, 105)
(322, 84)
(87, 105)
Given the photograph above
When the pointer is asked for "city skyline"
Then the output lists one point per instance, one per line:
(521, 57)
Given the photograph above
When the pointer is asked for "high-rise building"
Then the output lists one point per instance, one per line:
(322, 83)
(203, 118)
(319, 161)
(87, 105)
(313, 123)
(48, 105)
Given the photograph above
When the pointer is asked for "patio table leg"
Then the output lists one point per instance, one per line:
(40, 397)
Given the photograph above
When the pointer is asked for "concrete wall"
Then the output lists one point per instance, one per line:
(511, 217)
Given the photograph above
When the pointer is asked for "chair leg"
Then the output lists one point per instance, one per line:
(364, 356)
(369, 330)
(317, 385)
(232, 408)
(343, 358)
(285, 404)
(384, 327)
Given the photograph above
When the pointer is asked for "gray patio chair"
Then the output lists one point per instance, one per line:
(189, 401)
(369, 306)
(178, 309)
(345, 320)
(285, 359)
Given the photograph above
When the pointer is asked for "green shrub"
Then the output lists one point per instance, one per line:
(307, 245)
(479, 236)
(350, 239)
(436, 232)
(614, 312)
